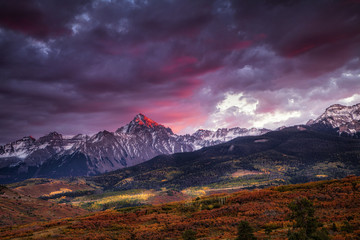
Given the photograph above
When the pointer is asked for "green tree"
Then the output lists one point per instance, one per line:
(346, 227)
(321, 234)
(189, 234)
(268, 230)
(306, 224)
(245, 231)
(334, 228)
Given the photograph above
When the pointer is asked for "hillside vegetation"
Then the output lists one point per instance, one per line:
(17, 208)
(292, 155)
(336, 203)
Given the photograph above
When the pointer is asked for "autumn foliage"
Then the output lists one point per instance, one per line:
(336, 206)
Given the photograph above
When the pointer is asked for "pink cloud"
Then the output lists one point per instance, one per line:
(241, 45)
(180, 62)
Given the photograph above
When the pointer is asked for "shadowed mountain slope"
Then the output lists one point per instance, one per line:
(296, 154)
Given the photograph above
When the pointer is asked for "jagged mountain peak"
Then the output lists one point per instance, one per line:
(335, 106)
(142, 123)
(100, 136)
(203, 133)
(345, 118)
(52, 136)
(139, 140)
(28, 139)
(143, 120)
(348, 113)
(80, 136)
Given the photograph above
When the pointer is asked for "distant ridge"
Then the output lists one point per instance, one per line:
(345, 119)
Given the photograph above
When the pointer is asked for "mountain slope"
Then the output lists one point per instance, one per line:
(345, 119)
(17, 208)
(295, 154)
(140, 140)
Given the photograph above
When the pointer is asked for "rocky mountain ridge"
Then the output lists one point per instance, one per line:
(140, 140)
(345, 119)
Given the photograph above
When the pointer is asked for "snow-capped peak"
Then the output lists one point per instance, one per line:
(141, 119)
(337, 115)
(346, 118)
(203, 133)
(142, 122)
(51, 136)
(18, 148)
(139, 140)
(100, 136)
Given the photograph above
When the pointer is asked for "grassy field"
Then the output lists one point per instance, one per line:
(113, 199)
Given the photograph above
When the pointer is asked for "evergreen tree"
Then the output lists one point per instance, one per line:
(346, 227)
(334, 228)
(245, 231)
(189, 235)
(306, 224)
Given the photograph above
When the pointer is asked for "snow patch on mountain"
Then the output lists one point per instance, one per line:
(20, 148)
(345, 118)
(139, 140)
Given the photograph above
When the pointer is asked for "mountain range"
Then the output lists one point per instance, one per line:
(291, 155)
(54, 155)
(138, 141)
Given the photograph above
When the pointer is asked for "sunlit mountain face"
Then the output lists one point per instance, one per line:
(85, 66)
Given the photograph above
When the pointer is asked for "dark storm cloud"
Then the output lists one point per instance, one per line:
(39, 19)
(92, 65)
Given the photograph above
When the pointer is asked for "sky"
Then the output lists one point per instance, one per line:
(86, 66)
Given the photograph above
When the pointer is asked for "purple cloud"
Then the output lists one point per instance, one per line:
(92, 65)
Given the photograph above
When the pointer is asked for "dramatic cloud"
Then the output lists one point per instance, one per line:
(85, 66)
